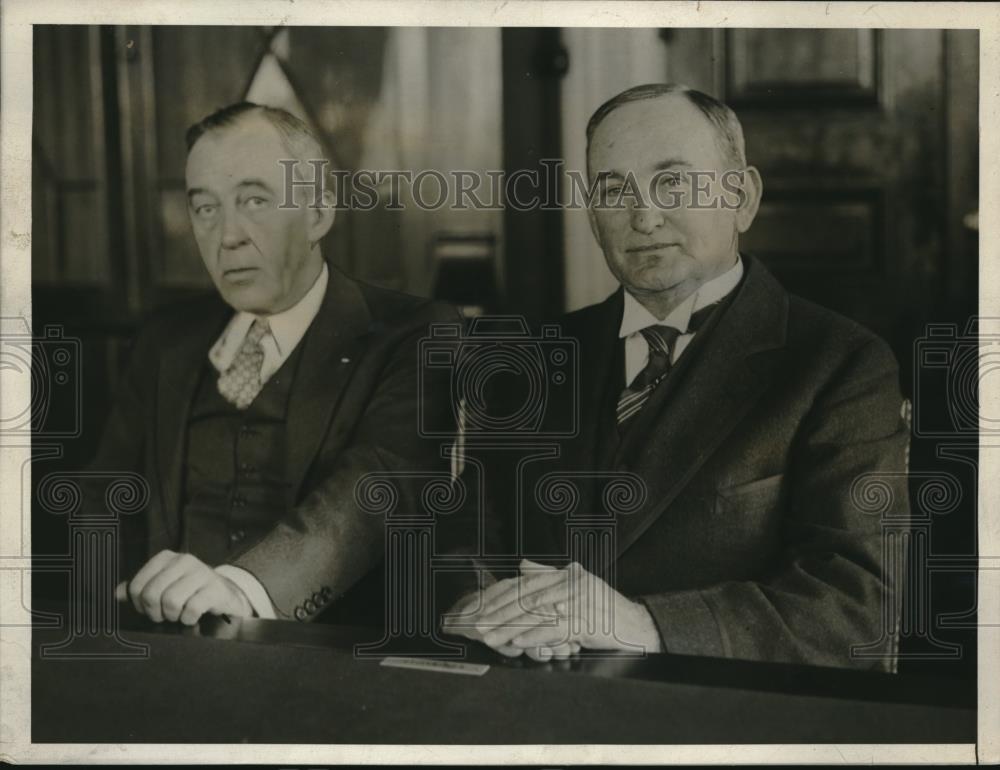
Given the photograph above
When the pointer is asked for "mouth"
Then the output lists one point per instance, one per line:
(239, 274)
(652, 248)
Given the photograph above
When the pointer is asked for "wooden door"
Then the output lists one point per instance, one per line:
(854, 132)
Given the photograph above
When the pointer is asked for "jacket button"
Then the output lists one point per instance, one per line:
(239, 502)
(300, 613)
(237, 536)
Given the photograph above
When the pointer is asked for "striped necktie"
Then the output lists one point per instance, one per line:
(661, 340)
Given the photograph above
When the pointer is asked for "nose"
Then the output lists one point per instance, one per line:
(233, 234)
(645, 219)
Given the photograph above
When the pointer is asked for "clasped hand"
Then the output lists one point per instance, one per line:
(180, 587)
(549, 613)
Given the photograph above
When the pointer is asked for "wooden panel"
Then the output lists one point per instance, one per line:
(827, 66)
(822, 159)
(69, 172)
(195, 71)
(819, 233)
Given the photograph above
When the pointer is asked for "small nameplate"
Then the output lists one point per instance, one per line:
(441, 666)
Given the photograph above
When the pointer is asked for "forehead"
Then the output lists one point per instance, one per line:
(644, 133)
(249, 149)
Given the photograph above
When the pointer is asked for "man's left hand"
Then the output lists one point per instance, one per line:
(180, 587)
(548, 606)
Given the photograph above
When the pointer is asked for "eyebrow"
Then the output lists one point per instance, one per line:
(255, 183)
(659, 166)
(670, 162)
(242, 185)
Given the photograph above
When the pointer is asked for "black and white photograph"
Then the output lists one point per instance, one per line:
(502, 382)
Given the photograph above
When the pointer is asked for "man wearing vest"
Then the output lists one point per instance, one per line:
(254, 415)
(748, 414)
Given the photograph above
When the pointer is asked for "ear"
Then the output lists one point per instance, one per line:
(753, 189)
(320, 218)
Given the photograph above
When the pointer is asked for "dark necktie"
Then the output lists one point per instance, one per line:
(661, 340)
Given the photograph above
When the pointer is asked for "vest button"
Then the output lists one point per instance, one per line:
(239, 502)
(237, 536)
(310, 605)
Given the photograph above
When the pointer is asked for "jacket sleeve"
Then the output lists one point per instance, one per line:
(828, 592)
(119, 464)
(329, 542)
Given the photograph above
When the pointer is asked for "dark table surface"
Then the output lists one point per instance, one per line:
(283, 682)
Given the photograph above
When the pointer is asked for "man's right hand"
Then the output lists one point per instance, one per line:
(180, 587)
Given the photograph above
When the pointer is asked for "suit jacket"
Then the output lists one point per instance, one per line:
(752, 542)
(353, 410)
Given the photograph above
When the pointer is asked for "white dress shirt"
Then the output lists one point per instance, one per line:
(635, 318)
(287, 329)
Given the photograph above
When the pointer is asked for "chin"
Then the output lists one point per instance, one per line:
(248, 300)
(659, 280)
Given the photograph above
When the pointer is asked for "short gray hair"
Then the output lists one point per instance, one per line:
(295, 136)
(729, 132)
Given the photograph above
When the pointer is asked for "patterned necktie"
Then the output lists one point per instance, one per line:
(240, 383)
(661, 340)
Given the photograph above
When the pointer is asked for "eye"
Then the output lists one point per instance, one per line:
(670, 180)
(255, 203)
(206, 211)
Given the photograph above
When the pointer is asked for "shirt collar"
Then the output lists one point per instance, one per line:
(635, 317)
(286, 328)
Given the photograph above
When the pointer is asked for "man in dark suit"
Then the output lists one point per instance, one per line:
(254, 415)
(750, 417)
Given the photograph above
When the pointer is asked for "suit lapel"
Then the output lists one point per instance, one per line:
(332, 350)
(597, 337)
(181, 365)
(727, 373)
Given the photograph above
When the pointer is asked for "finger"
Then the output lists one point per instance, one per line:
(546, 608)
(176, 596)
(463, 612)
(198, 604)
(152, 593)
(521, 599)
(490, 595)
(545, 653)
(560, 651)
(543, 636)
(509, 651)
(148, 570)
(533, 576)
(121, 591)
